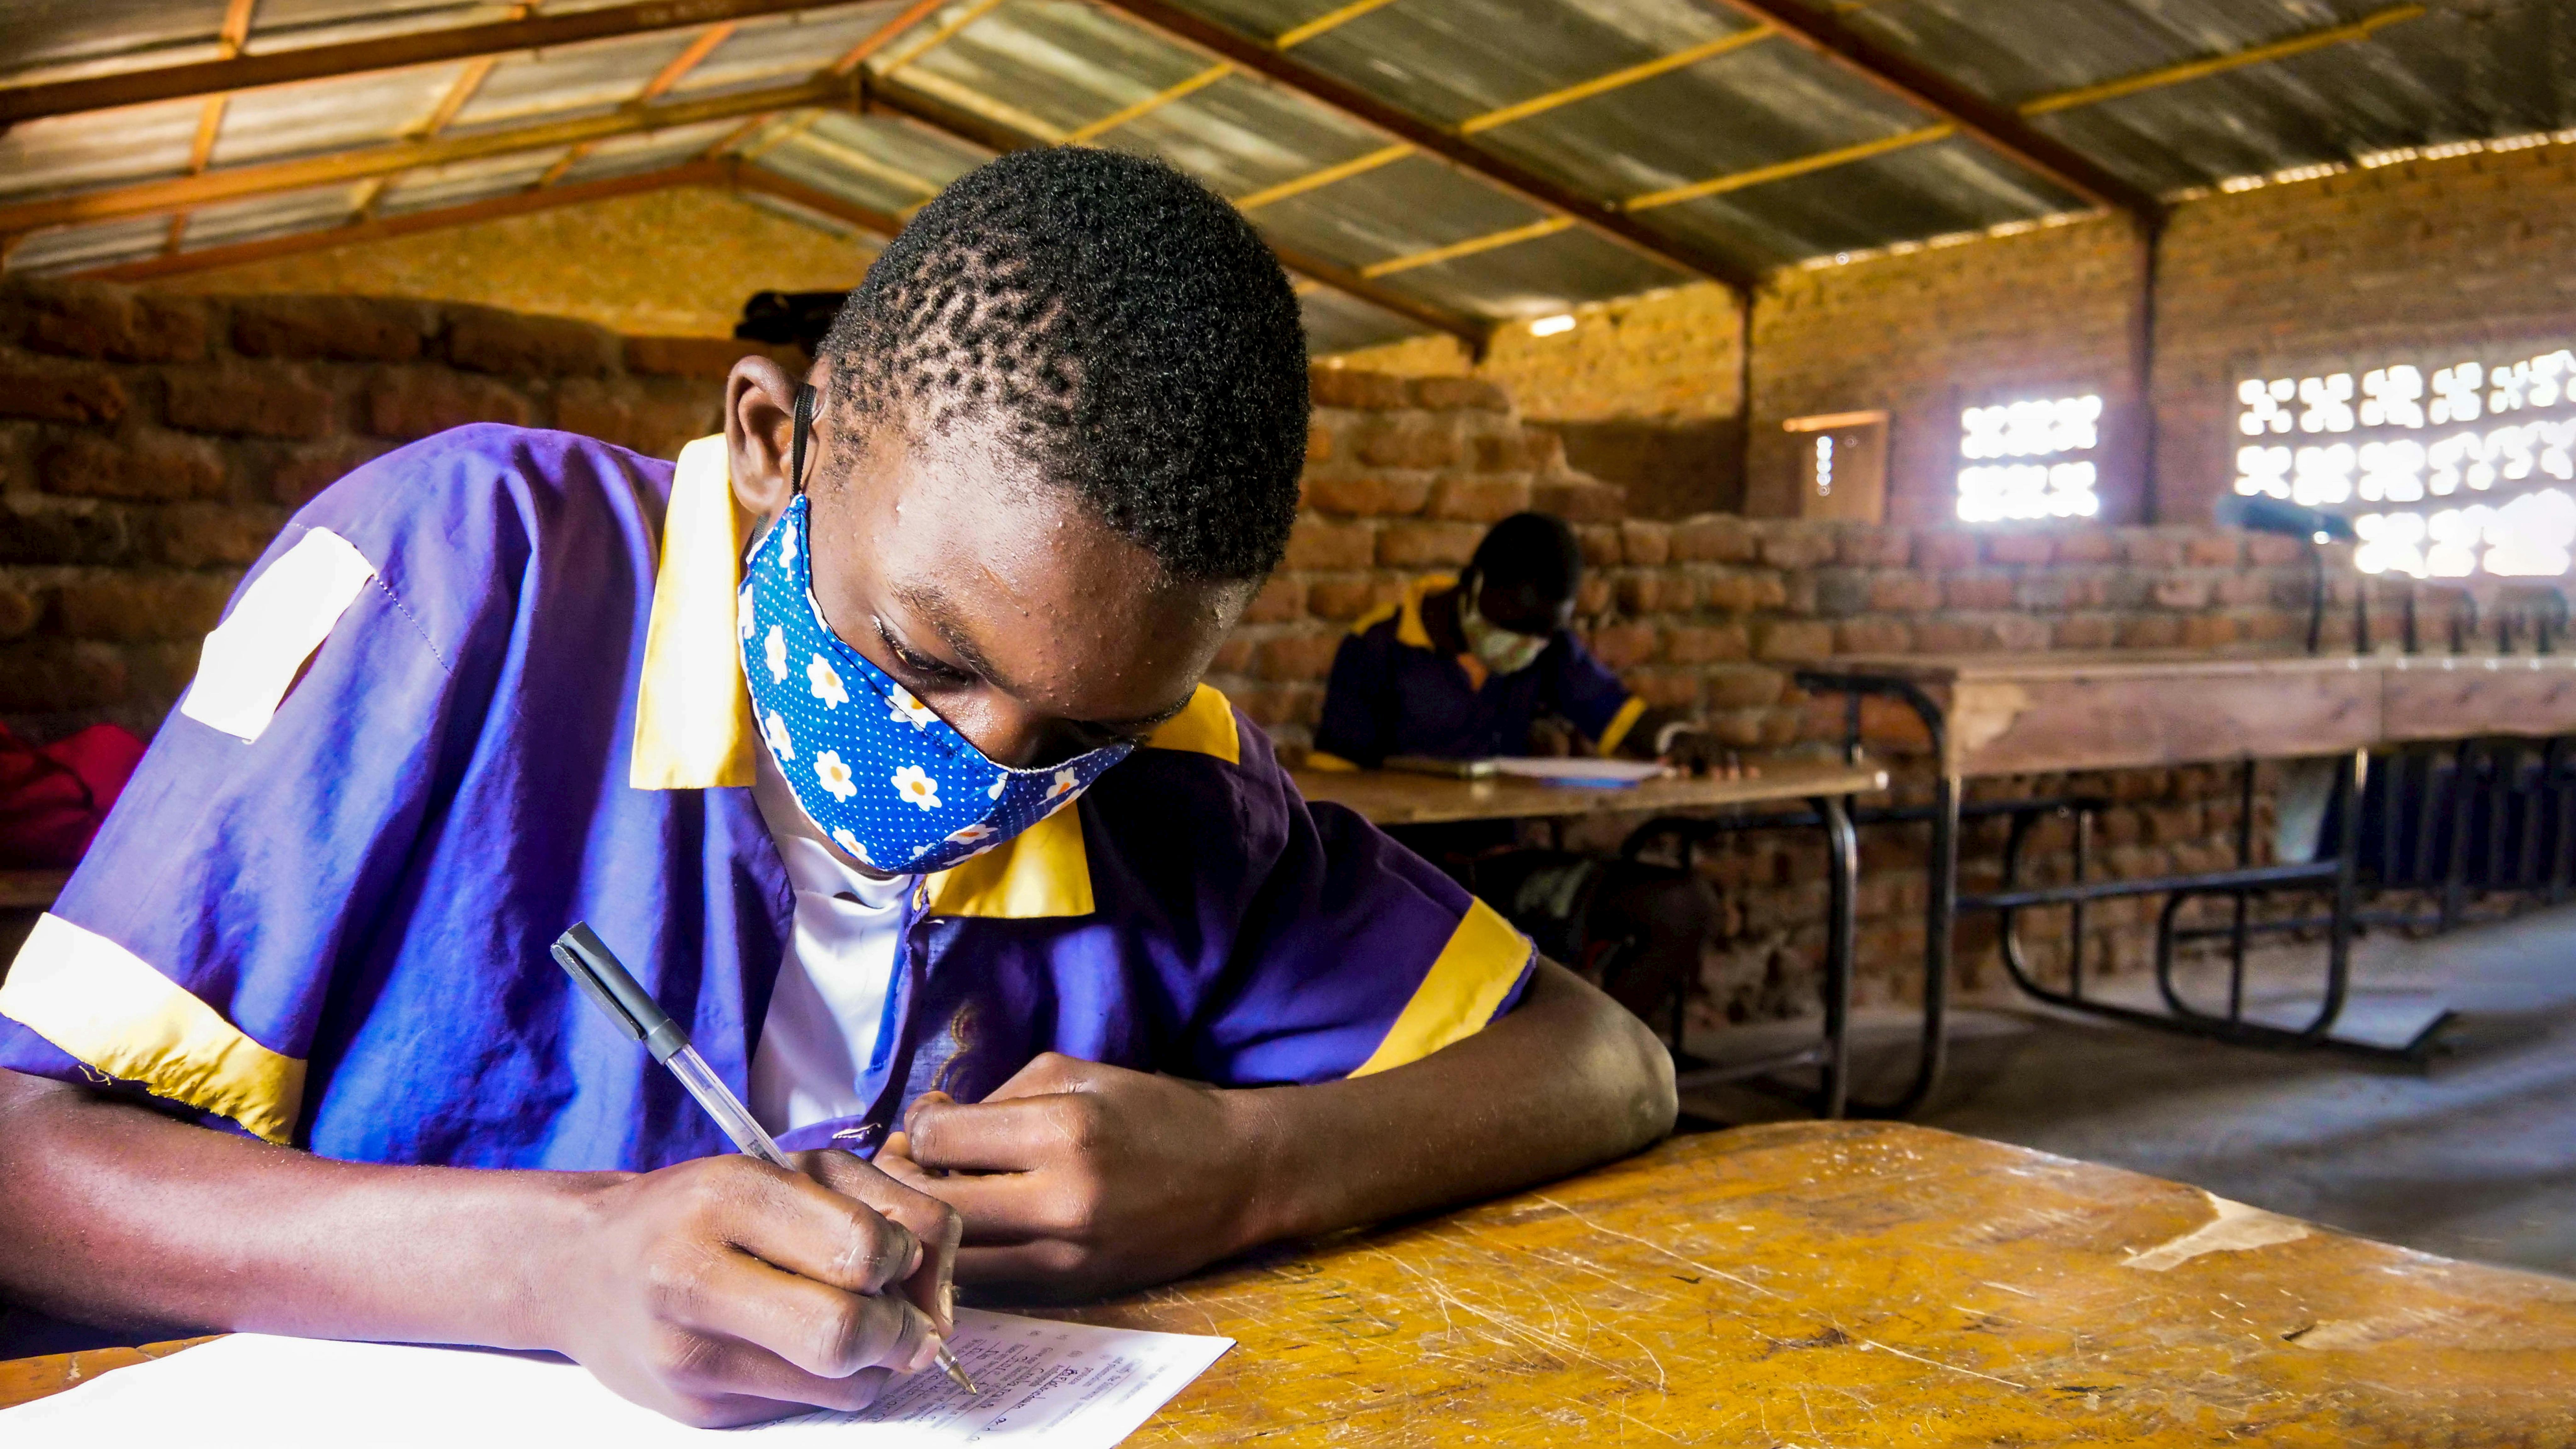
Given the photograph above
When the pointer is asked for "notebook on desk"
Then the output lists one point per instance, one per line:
(1571, 770)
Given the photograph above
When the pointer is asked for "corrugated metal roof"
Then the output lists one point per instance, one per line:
(1710, 131)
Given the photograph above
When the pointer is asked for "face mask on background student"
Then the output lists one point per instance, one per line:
(1497, 648)
(887, 779)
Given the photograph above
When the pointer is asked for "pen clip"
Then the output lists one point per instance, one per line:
(589, 962)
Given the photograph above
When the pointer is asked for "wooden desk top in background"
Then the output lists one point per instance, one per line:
(1396, 797)
(1849, 1283)
(2038, 712)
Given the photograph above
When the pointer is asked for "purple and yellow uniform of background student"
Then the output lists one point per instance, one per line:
(1394, 692)
(523, 707)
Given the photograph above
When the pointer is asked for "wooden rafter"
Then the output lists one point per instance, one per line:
(517, 203)
(1688, 55)
(360, 57)
(460, 92)
(1333, 19)
(671, 74)
(1324, 176)
(884, 35)
(1794, 166)
(1999, 127)
(230, 183)
(1268, 61)
(2190, 70)
(1190, 85)
(769, 183)
(1547, 227)
(229, 40)
(842, 66)
(1516, 111)
(1883, 145)
(985, 133)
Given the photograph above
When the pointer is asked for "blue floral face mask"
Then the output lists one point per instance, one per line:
(888, 780)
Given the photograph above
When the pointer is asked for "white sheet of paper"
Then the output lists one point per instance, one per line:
(1061, 1385)
(1581, 771)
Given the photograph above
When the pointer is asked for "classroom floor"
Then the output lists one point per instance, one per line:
(2472, 1157)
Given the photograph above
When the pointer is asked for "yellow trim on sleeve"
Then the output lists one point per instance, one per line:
(109, 1008)
(1459, 995)
(1205, 726)
(1042, 871)
(693, 726)
(1326, 762)
(1620, 723)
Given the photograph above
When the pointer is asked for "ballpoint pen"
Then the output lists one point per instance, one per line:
(589, 962)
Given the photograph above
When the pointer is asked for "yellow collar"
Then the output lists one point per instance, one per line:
(1407, 615)
(694, 730)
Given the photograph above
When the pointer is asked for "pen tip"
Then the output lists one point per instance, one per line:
(956, 1371)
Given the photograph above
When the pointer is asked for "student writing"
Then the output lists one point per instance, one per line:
(898, 789)
(1479, 665)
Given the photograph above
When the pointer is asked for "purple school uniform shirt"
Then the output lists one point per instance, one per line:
(326, 922)
(1393, 692)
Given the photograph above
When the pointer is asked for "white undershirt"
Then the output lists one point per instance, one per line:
(830, 1001)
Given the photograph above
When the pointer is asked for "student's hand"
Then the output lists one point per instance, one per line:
(1078, 1179)
(724, 1291)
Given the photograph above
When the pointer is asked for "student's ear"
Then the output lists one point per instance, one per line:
(760, 428)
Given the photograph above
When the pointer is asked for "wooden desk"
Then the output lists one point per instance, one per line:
(2010, 714)
(1844, 1284)
(1396, 797)
(2003, 714)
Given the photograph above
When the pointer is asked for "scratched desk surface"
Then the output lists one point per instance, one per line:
(1844, 1283)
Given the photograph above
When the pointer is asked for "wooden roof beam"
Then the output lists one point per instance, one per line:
(747, 177)
(1998, 126)
(232, 183)
(987, 134)
(490, 208)
(357, 57)
(1268, 61)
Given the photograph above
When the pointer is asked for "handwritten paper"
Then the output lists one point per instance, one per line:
(1058, 1385)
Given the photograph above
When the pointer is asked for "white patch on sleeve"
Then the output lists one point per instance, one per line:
(252, 657)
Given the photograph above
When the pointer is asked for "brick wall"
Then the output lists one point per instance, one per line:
(1711, 614)
(151, 445)
(2281, 279)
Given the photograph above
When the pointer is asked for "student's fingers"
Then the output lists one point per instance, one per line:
(1022, 1135)
(1046, 1074)
(1050, 1263)
(818, 1330)
(731, 1383)
(1019, 1207)
(933, 1223)
(804, 1227)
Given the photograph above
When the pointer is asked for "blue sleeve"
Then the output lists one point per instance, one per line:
(192, 953)
(1296, 941)
(1357, 712)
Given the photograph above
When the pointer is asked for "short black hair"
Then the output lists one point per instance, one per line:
(1532, 550)
(1134, 334)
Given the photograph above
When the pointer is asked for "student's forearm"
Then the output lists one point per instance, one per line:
(1565, 1081)
(119, 1216)
(720, 1291)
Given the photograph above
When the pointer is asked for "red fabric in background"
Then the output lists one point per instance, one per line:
(53, 797)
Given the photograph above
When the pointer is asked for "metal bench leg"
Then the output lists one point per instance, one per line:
(1842, 929)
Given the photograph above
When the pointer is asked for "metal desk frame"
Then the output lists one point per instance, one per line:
(1944, 904)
